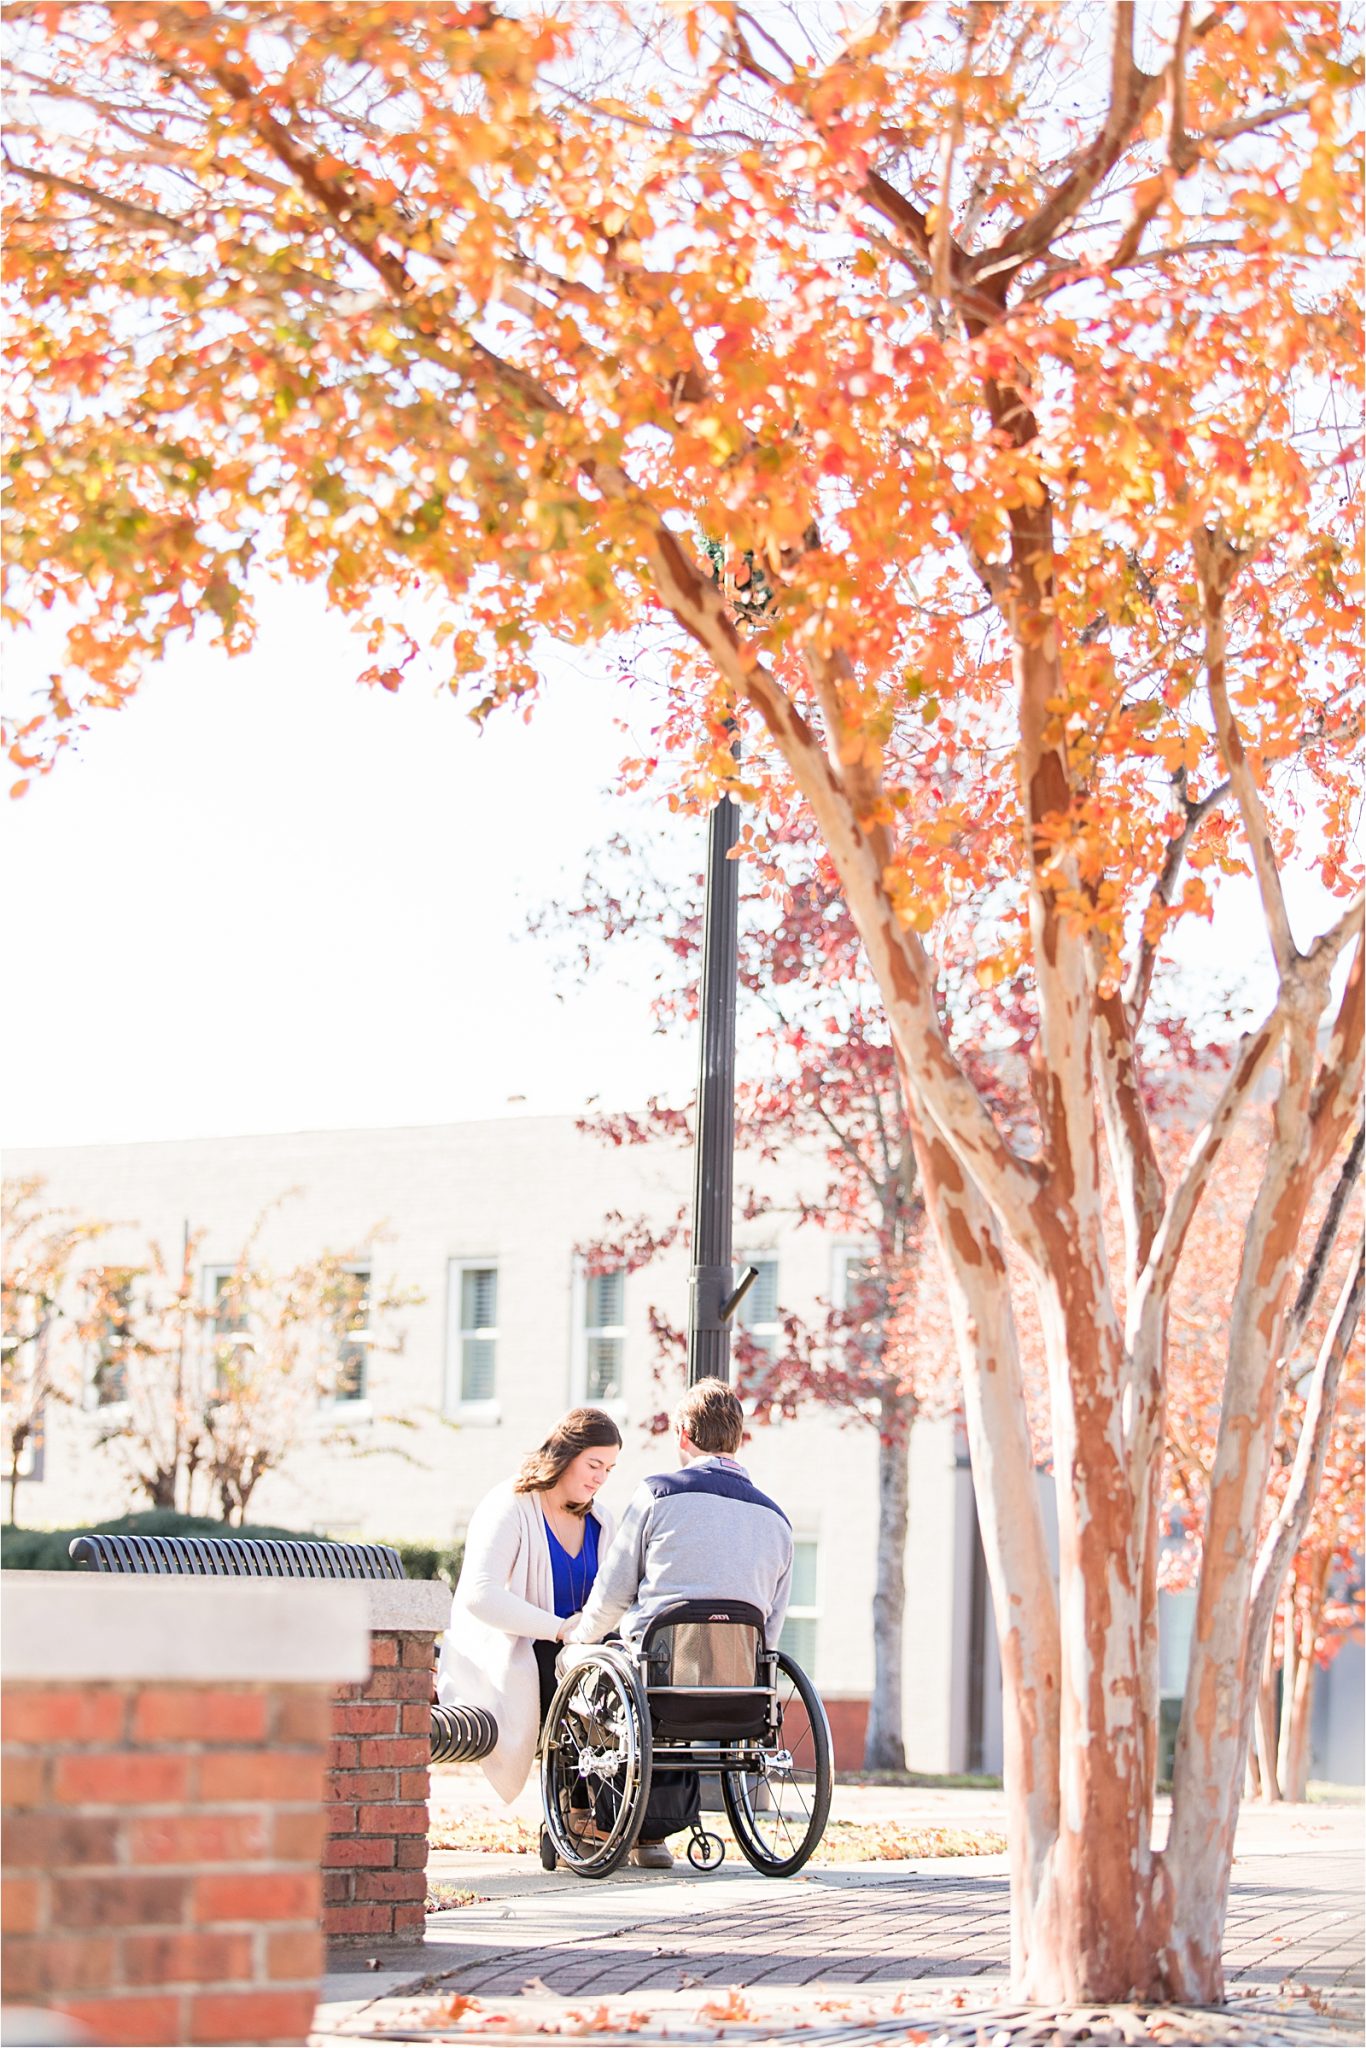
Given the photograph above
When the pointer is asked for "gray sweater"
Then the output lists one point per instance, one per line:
(702, 1533)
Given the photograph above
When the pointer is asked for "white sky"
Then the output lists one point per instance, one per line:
(265, 899)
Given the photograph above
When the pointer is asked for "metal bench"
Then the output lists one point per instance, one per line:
(459, 1734)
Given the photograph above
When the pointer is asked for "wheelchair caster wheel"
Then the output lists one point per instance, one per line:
(706, 1852)
(548, 1857)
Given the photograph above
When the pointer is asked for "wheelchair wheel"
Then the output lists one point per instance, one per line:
(595, 1764)
(779, 1813)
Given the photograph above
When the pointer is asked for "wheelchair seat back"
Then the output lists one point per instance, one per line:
(704, 1677)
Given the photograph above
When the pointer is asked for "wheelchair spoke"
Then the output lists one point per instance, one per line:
(779, 1813)
(595, 1766)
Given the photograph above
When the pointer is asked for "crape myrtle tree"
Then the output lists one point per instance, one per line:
(1307, 1577)
(198, 1399)
(1016, 349)
(819, 1091)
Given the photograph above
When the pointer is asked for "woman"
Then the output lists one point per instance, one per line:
(531, 1556)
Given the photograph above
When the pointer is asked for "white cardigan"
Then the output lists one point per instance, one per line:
(504, 1602)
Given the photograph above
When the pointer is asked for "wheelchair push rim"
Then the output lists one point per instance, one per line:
(779, 1813)
(595, 1750)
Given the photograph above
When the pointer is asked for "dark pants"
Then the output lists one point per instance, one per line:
(674, 1801)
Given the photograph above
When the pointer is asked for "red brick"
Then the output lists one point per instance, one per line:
(415, 1784)
(383, 1651)
(365, 1718)
(411, 1852)
(392, 1819)
(394, 1752)
(252, 2015)
(197, 1838)
(257, 1895)
(409, 1919)
(20, 1899)
(420, 1651)
(120, 1778)
(122, 1898)
(23, 1780)
(53, 1714)
(295, 1954)
(299, 1837)
(416, 1719)
(344, 1756)
(303, 1715)
(193, 1713)
(358, 1920)
(338, 1889)
(85, 1962)
(261, 1774)
(129, 2022)
(390, 1884)
(362, 1785)
(203, 1958)
(403, 1684)
(24, 1969)
(48, 1841)
(341, 1818)
(345, 1852)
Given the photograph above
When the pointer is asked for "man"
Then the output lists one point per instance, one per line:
(704, 1532)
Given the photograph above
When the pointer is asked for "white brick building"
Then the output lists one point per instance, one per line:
(484, 1219)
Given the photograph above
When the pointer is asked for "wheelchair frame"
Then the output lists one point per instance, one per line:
(600, 1749)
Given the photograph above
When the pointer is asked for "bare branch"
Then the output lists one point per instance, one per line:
(1216, 561)
(1140, 977)
(1323, 1244)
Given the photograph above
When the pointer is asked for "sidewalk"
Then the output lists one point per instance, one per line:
(885, 1951)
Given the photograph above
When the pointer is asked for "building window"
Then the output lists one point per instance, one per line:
(857, 1292)
(353, 1351)
(227, 1325)
(472, 1352)
(604, 1334)
(799, 1629)
(109, 1380)
(757, 1314)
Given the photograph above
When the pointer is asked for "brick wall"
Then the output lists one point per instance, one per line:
(162, 1847)
(375, 1855)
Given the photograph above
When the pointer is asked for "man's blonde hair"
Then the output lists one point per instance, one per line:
(712, 1417)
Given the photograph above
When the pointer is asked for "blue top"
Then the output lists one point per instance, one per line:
(573, 1576)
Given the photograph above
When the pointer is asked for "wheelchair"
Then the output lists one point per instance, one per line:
(700, 1692)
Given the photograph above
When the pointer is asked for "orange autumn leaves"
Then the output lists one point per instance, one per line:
(445, 312)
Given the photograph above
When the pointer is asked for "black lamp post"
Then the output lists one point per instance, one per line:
(712, 1296)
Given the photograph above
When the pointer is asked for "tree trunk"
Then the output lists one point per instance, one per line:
(1299, 1713)
(17, 1448)
(1268, 1781)
(1290, 1672)
(884, 1747)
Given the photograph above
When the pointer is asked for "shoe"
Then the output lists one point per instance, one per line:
(652, 1856)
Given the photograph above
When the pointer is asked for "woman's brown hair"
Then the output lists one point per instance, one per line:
(582, 1429)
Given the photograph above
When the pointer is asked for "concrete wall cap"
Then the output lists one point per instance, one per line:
(103, 1625)
(421, 1604)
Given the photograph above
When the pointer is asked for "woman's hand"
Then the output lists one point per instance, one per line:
(562, 1632)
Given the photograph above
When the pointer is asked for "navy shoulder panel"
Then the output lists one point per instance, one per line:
(709, 1481)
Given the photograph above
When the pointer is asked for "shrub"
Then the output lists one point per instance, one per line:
(47, 1550)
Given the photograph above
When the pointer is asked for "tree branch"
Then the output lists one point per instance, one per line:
(1216, 561)
(1140, 977)
(1323, 1244)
